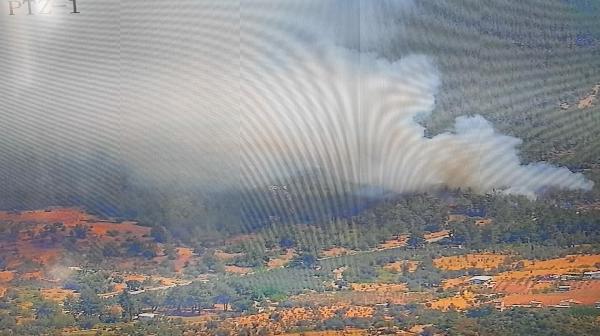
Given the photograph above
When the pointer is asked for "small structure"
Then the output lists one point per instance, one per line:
(535, 304)
(480, 280)
(338, 273)
(146, 316)
(591, 275)
(564, 288)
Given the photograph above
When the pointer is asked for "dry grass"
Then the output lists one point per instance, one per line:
(31, 247)
(589, 100)
(585, 292)
(484, 222)
(184, 255)
(290, 317)
(378, 287)
(345, 332)
(6, 276)
(397, 266)
(57, 294)
(436, 236)
(224, 256)
(522, 286)
(237, 269)
(456, 218)
(586, 102)
(68, 216)
(102, 228)
(398, 241)
(283, 259)
(135, 277)
(532, 268)
(336, 252)
(461, 301)
(360, 311)
(453, 283)
(461, 262)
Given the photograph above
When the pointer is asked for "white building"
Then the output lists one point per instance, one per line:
(480, 280)
(592, 275)
(146, 316)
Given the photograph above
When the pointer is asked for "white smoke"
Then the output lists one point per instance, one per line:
(354, 116)
(303, 85)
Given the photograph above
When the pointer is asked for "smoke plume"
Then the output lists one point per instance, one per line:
(221, 95)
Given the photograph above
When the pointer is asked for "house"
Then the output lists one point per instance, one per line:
(480, 280)
(564, 288)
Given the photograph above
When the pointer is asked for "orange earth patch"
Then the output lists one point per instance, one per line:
(283, 259)
(345, 332)
(184, 255)
(398, 241)
(378, 287)
(67, 216)
(583, 292)
(558, 266)
(57, 294)
(224, 256)
(336, 252)
(461, 262)
(397, 266)
(436, 236)
(102, 228)
(360, 311)
(6, 276)
(452, 283)
(237, 269)
(135, 277)
(522, 286)
(460, 301)
(36, 275)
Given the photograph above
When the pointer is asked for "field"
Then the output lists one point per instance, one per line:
(378, 287)
(237, 269)
(68, 216)
(225, 256)
(287, 318)
(452, 283)
(397, 266)
(361, 297)
(461, 262)
(336, 252)
(395, 242)
(103, 228)
(521, 286)
(282, 259)
(184, 255)
(42, 231)
(582, 292)
(345, 332)
(436, 236)
(533, 268)
(461, 301)
(57, 294)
